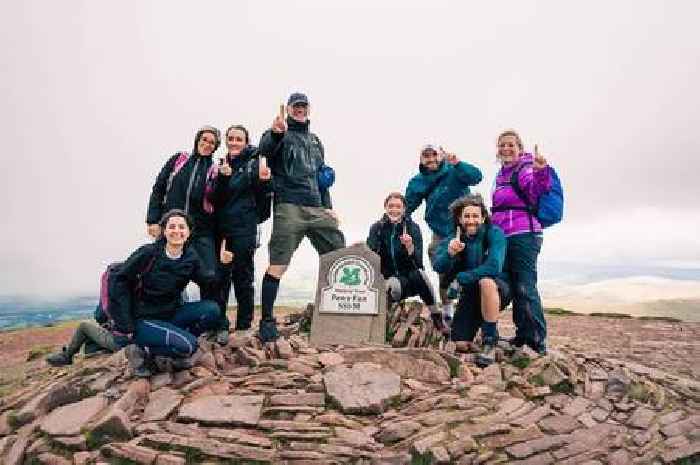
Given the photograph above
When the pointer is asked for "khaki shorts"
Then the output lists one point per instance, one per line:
(291, 223)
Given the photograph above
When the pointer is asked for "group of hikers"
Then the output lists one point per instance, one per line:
(204, 216)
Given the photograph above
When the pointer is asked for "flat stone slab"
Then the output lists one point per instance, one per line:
(230, 410)
(421, 364)
(161, 404)
(70, 419)
(364, 388)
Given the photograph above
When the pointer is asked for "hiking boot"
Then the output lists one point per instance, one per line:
(454, 291)
(487, 355)
(60, 359)
(137, 358)
(221, 337)
(268, 331)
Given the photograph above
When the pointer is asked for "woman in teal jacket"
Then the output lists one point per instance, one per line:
(476, 256)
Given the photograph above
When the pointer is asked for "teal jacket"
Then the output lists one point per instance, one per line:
(483, 256)
(439, 189)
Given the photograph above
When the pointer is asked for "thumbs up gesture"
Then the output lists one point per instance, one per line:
(264, 172)
(450, 157)
(225, 256)
(456, 245)
(279, 125)
(539, 161)
(225, 168)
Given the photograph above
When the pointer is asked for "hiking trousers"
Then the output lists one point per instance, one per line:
(206, 249)
(240, 274)
(89, 331)
(528, 316)
(468, 317)
(177, 337)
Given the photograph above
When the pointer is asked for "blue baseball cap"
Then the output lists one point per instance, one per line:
(298, 97)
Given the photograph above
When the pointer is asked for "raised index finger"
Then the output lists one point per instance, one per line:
(223, 244)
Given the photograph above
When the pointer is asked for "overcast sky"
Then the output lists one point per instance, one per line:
(97, 95)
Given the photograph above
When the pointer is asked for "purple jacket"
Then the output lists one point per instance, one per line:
(533, 183)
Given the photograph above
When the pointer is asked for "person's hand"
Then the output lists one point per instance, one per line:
(539, 162)
(264, 172)
(225, 256)
(153, 230)
(451, 158)
(279, 125)
(407, 242)
(225, 168)
(454, 247)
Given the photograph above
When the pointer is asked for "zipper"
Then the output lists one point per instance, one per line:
(189, 186)
(391, 247)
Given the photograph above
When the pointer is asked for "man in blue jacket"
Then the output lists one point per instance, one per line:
(442, 179)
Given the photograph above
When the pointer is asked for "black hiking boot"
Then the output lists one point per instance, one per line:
(60, 359)
(487, 355)
(138, 359)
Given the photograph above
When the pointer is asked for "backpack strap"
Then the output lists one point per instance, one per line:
(514, 183)
(180, 161)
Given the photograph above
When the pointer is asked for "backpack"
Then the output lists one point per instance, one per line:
(212, 172)
(103, 313)
(550, 207)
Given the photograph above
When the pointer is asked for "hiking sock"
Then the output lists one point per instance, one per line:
(270, 286)
(489, 332)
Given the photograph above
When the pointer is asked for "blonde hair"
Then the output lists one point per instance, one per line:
(513, 133)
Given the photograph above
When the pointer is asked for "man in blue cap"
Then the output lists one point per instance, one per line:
(302, 199)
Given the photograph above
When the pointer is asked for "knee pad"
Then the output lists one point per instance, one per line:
(393, 288)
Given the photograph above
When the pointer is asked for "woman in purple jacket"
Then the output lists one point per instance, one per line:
(523, 234)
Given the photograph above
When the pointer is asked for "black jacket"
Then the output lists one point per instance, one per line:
(186, 193)
(149, 284)
(295, 159)
(384, 240)
(236, 213)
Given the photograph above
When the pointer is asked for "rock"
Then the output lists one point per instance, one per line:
(138, 454)
(315, 399)
(396, 431)
(439, 454)
(302, 368)
(82, 458)
(354, 438)
(364, 388)
(461, 446)
(422, 445)
(559, 424)
(233, 410)
(619, 457)
(492, 375)
(236, 435)
(136, 393)
(521, 435)
(168, 459)
(576, 407)
(421, 364)
(544, 458)
(337, 419)
(71, 442)
(15, 456)
(70, 419)
(284, 348)
(641, 418)
(679, 427)
(48, 458)
(329, 359)
(681, 453)
(552, 375)
(104, 381)
(532, 417)
(618, 382)
(670, 417)
(113, 426)
(160, 380)
(161, 404)
(522, 450)
(59, 393)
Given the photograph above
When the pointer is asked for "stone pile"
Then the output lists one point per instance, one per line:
(290, 403)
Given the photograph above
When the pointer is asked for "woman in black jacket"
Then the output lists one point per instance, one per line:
(399, 243)
(242, 175)
(146, 296)
(186, 182)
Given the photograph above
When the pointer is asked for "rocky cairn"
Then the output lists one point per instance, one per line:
(417, 400)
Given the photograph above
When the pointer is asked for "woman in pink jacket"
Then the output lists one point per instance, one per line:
(530, 175)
